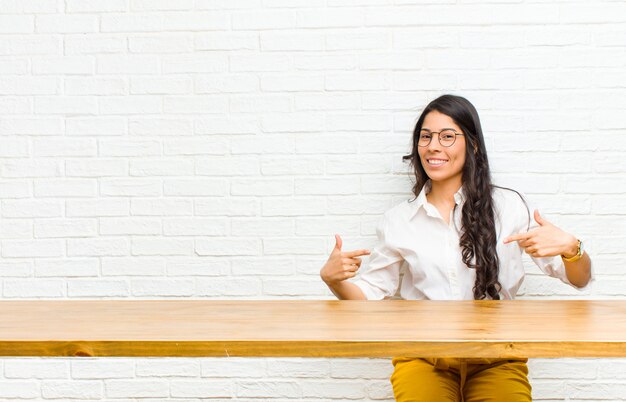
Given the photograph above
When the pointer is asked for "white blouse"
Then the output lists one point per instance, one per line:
(414, 233)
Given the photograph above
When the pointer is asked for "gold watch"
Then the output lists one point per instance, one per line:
(578, 255)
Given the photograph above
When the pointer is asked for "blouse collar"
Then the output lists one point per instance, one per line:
(421, 201)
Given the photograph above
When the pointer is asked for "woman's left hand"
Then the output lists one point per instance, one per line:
(545, 241)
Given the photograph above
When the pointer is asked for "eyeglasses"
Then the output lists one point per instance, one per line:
(447, 137)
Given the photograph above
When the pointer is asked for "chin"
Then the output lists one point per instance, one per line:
(437, 176)
(440, 176)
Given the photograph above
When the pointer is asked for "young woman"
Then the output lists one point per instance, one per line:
(460, 238)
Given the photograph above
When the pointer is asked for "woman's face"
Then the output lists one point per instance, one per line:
(442, 163)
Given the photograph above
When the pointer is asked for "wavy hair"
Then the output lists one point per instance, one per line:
(478, 234)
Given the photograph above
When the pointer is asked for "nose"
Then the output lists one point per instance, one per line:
(434, 143)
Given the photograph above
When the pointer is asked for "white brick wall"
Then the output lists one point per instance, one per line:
(211, 149)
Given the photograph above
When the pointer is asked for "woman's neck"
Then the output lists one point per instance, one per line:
(442, 193)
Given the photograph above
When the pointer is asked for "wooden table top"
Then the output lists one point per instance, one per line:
(321, 328)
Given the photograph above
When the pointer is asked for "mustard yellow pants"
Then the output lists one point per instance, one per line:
(465, 380)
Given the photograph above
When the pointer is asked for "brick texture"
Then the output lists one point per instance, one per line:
(211, 149)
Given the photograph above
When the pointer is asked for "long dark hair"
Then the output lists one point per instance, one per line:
(478, 238)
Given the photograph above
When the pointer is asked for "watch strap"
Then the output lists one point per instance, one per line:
(578, 255)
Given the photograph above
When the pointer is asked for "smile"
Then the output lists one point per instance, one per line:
(436, 162)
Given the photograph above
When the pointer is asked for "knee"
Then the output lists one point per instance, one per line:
(419, 381)
(518, 393)
(507, 382)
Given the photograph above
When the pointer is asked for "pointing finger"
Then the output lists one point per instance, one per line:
(356, 253)
(516, 237)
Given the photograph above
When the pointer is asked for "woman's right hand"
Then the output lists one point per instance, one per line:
(341, 265)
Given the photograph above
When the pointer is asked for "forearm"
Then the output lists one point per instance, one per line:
(345, 290)
(579, 272)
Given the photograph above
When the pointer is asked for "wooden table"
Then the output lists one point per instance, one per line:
(520, 328)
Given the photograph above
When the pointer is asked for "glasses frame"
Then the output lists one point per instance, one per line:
(432, 134)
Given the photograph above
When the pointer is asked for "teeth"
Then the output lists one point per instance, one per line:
(436, 161)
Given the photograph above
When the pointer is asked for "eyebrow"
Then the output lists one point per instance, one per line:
(445, 128)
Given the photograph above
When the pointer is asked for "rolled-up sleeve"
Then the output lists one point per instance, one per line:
(383, 274)
(555, 267)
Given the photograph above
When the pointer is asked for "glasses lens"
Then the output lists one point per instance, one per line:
(447, 137)
(424, 139)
